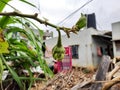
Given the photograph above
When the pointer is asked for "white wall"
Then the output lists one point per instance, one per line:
(116, 31)
(116, 37)
(84, 40)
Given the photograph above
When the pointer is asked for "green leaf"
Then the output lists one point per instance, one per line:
(13, 73)
(4, 21)
(81, 22)
(2, 4)
(18, 46)
(14, 29)
(25, 1)
(27, 66)
(41, 32)
(4, 47)
(1, 69)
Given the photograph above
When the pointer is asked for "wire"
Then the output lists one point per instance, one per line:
(75, 11)
(39, 7)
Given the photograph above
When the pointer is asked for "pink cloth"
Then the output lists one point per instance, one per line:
(99, 53)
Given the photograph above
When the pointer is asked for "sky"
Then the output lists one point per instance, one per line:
(106, 11)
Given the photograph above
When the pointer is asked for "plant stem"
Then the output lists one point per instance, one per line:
(34, 16)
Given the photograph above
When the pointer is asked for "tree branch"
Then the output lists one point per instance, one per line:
(34, 16)
(110, 74)
(107, 85)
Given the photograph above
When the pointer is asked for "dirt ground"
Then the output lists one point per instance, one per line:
(65, 80)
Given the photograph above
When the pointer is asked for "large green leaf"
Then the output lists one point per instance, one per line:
(42, 62)
(4, 21)
(2, 4)
(14, 29)
(18, 46)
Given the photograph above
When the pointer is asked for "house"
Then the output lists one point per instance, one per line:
(116, 38)
(87, 47)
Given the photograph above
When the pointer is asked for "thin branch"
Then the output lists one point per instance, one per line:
(34, 16)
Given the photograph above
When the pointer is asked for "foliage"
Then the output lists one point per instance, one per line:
(24, 47)
(2, 4)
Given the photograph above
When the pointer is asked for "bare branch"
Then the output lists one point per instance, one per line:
(109, 84)
(34, 16)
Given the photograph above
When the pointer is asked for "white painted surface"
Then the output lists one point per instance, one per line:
(86, 44)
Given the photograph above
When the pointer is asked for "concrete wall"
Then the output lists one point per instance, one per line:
(116, 38)
(114, 49)
(87, 46)
(84, 40)
(116, 31)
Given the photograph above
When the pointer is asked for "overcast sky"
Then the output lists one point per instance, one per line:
(107, 11)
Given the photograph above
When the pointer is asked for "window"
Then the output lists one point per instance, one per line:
(117, 45)
(74, 50)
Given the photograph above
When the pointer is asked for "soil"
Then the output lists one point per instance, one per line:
(65, 80)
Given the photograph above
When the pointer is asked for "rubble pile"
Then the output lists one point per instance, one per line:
(107, 77)
(66, 80)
